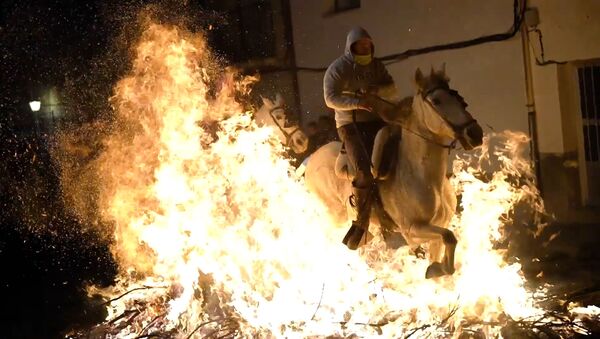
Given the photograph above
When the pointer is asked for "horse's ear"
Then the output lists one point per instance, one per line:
(419, 77)
(442, 73)
(266, 101)
(278, 99)
(432, 72)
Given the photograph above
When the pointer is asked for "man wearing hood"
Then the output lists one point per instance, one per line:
(347, 86)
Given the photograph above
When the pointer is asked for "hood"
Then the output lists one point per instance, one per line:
(353, 36)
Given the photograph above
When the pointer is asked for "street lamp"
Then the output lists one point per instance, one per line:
(35, 105)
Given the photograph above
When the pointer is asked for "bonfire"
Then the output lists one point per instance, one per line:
(217, 237)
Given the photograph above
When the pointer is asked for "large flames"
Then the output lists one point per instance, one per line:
(216, 236)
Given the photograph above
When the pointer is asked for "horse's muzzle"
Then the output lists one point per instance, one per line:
(471, 137)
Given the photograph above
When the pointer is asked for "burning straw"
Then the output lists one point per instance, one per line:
(217, 238)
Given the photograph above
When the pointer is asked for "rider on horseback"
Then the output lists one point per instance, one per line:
(348, 86)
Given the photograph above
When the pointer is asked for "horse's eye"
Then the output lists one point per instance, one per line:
(436, 101)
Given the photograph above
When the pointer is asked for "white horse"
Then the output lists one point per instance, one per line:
(272, 113)
(416, 195)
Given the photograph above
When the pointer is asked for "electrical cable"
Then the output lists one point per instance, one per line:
(542, 62)
(518, 15)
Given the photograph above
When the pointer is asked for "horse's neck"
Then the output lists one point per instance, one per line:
(420, 152)
(259, 117)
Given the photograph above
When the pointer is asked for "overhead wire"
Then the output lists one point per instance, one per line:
(518, 15)
(541, 61)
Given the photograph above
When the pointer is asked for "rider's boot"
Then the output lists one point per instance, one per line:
(361, 200)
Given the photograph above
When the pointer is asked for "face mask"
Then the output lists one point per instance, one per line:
(363, 59)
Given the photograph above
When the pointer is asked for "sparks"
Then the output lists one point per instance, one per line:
(216, 233)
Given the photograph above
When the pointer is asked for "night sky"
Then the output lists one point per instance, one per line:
(45, 42)
(47, 254)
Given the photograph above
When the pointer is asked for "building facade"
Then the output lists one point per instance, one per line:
(255, 36)
(564, 101)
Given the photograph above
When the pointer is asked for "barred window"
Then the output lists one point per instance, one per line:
(589, 89)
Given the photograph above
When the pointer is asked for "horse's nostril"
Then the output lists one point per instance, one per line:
(475, 132)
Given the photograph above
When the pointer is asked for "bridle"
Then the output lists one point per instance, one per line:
(288, 135)
(458, 129)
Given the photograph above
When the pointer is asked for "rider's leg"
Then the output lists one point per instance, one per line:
(358, 141)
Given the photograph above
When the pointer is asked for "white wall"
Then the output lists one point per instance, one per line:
(571, 29)
(52, 104)
(489, 76)
(571, 32)
(546, 96)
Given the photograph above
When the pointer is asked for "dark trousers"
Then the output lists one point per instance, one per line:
(358, 139)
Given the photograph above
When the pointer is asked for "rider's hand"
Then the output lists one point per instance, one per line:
(367, 103)
(364, 105)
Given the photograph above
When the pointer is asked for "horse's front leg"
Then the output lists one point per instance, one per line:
(421, 232)
(435, 250)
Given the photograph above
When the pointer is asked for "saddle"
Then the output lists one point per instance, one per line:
(383, 158)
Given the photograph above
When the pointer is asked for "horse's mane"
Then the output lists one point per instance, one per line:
(438, 79)
(405, 106)
(403, 109)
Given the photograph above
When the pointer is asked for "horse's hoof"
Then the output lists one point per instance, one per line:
(434, 270)
(419, 252)
(353, 237)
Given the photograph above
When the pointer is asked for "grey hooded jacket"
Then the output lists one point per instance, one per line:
(344, 79)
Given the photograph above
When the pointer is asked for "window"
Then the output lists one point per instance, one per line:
(589, 89)
(344, 5)
(589, 135)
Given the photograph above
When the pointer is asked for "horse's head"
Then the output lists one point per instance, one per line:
(273, 114)
(444, 111)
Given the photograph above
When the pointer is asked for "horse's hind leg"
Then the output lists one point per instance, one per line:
(426, 232)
